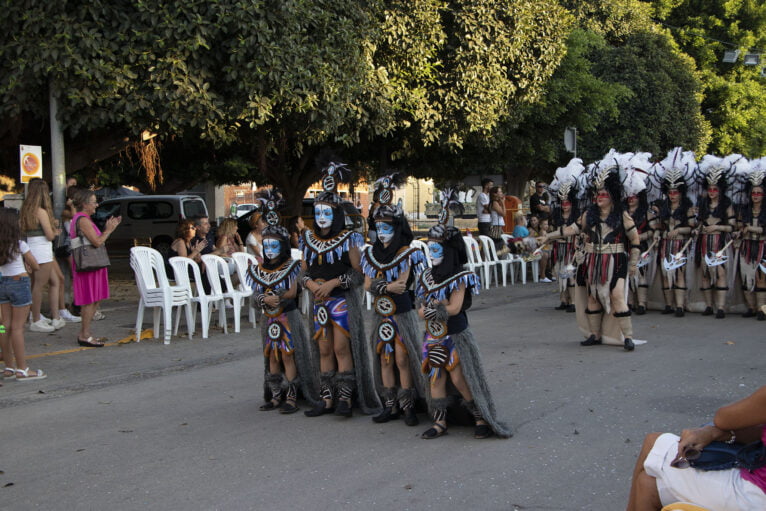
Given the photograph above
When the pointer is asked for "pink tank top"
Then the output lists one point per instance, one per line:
(757, 476)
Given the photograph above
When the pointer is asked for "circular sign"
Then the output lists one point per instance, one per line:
(322, 315)
(30, 163)
(275, 331)
(386, 331)
(384, 305)
(437, 329)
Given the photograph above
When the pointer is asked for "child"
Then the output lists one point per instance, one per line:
(15, 297)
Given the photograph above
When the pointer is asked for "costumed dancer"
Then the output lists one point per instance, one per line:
(565, 213)
(634, 178)
(450, 354)
(715, 223)
(287, 349)
(610, 234)
(390, 266)
(677, 219)
(332, 256)
(752, 236)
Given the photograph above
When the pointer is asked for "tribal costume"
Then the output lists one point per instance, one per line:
(636, 204)
(752, 248)
(390, 266)
(286, 347)
(340, 312)
(451, 356)
(716, 222)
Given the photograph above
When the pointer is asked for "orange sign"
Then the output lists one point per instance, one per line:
(31, 162)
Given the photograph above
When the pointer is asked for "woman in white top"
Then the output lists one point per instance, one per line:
(15, 297)
(254, 240)
(497, 219)
(38, 226)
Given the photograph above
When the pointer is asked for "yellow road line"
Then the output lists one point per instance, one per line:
(145, 334)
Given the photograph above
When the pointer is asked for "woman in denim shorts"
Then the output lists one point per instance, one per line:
(15, 297)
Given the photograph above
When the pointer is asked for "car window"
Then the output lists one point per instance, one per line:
(144, 210)
(194, 209)
(104, 211)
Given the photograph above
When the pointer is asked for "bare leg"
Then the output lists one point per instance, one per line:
(458, 380)
(403, 364)
(55, 288)
(643, 488)
(39, 280)
(18, 316)
(87, 317)
(387, 370)
(342, 350)
(5, 337)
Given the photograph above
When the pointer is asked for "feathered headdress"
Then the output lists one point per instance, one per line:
(605, 173)
(384, 190)
(676, 170)
(564, 184)
(634, 174)
(332, 175)
(747, 174)
(271, 203)
(757, 171)
(450, 202)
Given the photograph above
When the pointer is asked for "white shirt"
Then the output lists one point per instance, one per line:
(482, 200)
(497, 218)
(16, 266)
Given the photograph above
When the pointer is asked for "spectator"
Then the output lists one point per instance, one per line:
(497, 220)
(63, 254)
(184, 245)
(38, 225)
(296, 227)
(521, 231)
(15, 297)
(483, 207)
(545, 254)
(254, 240)
(228, 241)
(656, 482)
(202, 224)
(90, 287)
(539, 202)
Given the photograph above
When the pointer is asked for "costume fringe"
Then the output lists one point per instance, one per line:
(416, 261)
(363, 353)
(410, 335)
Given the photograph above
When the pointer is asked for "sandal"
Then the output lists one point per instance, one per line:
(482, 431)
(288, 408)
(434, 431)
(90, 342)
(25, 376)
(9, 373)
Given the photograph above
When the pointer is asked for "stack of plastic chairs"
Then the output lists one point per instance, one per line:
(491, 256)
(156, 292)
(475, 262)
(181, 268)
(217, 269)
(242, 260)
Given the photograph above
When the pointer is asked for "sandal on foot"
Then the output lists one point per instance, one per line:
(435, 431)
(482, 431)
(9, 373)
(38, 374)
(90, 342)
(288, 408)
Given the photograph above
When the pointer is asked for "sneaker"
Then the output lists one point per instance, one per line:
(58, 323)
(99, 316)
(42, 318)
(69, 317)
(41, 326)
(546, 280)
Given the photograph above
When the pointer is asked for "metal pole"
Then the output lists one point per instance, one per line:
(58, 168)
(575, 142)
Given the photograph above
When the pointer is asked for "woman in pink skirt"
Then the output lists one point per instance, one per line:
(89, 287)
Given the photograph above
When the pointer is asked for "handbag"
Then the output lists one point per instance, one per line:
(61, 245)
(496, 231)
(87, 257)
(723, 456)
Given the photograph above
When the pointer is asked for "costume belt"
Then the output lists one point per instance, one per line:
(606, 248)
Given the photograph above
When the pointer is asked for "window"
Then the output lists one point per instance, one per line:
(194, 209)
(144, 210)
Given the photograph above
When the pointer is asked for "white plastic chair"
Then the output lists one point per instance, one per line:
(488, 245)
(297, 255)
(367, 294)
(218, 269)
(156, 292)
(518, 259)
(181, 268)
(424, 247)
(475, 261)
(243, 260)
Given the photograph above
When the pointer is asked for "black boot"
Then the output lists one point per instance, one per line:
(591, 341)
(667, 310)
(720, 314)
(346, 384)
(708, 311)
(389, 406)
(562, 306)
(749, 314)
(680, 312)
(407, 405)
(629, 346)
(289, 405)
(439, 415)
(275, 385)
(325, 392)
(640, 310)
(571, 307)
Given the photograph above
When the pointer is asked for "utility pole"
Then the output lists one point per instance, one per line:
(58, 167)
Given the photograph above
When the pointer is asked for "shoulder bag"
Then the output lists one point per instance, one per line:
(723, 456)
(86, 256)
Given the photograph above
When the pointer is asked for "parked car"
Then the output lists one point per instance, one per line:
(147, 219)
(243, 209)
(354, 219)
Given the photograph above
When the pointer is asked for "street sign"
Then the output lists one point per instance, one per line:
(570, 140)
(30, 162)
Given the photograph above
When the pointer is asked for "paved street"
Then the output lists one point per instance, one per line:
(144, 425)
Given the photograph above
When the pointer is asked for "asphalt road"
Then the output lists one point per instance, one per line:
(145, 425)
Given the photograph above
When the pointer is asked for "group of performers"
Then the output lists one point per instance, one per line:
(398, 370)
(621, 218)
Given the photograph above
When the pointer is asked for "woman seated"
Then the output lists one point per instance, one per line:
(656, 482)
(184, 245)
(228, 240)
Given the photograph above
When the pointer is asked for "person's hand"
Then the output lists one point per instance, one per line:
(112, 223)
(323, 290)
(200, 245)
(695, 438)
(396, 287)
(710, 229)
(542, 240)
(271, 300)
(736, 234)
(632, 269)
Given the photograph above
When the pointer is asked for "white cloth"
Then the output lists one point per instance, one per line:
(41, 248)
(16, 266)
(722, 490)
(250, 241)
(482, 200)
(496, 218)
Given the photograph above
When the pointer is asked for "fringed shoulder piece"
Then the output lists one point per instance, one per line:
(407, 257)
(428, 289)
(331, 250)
(260, 279)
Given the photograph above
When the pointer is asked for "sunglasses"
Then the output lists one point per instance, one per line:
(690, 454)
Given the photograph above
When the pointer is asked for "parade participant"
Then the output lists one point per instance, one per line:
(390, 266)
(677, 218)
(610, 235)
(286, 345)
(565, 213)
(332, 255)
(752, 249)
(450, 353)
(716, 221)
(637, 206)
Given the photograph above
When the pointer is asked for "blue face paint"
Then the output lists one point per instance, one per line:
(271, 248)
(385, 231)
(436, 251)
(323, 215)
